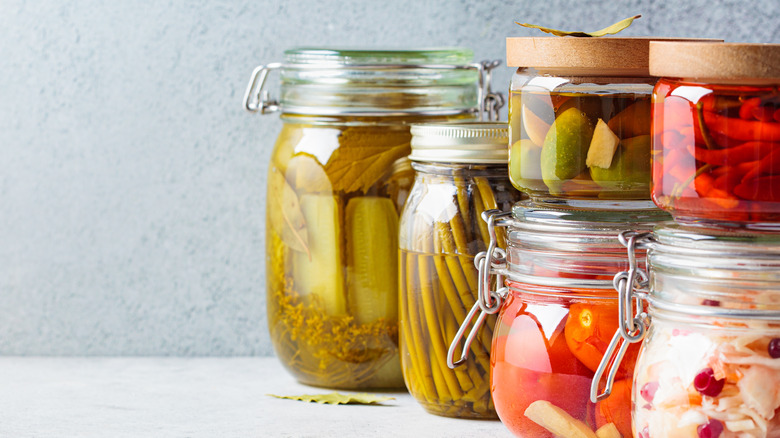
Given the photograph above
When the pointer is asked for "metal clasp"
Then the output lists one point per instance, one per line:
(489, 102)
(489, 301)
(633, 320)
(255, 98)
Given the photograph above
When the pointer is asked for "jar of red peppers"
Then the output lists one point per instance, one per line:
(579, 121)
(716, 132)
(557, 319)
(460, 173)
(710, 362)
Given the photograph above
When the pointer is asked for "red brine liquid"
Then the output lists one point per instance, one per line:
(547, 348)
(716, 152)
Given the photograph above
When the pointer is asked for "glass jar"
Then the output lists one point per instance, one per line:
(579, 120)
(710, 363)
(558, 319)
(334, 199)
(461, 172)
(716, 127)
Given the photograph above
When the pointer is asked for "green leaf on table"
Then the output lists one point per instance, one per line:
(609, 30)
(334, 398)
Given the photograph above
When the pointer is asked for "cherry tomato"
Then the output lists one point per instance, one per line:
(589, 330)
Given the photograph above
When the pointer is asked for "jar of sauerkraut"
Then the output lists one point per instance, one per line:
(337, 179)
(710, 360)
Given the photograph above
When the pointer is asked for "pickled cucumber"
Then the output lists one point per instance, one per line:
(565, 148)
(318, 275)
(372, 234)
(630, 165)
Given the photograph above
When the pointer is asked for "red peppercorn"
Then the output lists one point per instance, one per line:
(648, 391)
(774, 348)
(706, 384)
(710, 429)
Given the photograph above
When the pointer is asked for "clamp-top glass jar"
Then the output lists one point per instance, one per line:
(557, 320)
(710, 362)
(716, 127)
(461, 172)
(333, 200)
(579, 121)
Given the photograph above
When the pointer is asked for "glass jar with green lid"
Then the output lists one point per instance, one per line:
(461, 172)
(336, 183)
(709, 364)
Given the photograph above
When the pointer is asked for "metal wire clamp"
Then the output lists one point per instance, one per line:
(489, 301)
(632, 290)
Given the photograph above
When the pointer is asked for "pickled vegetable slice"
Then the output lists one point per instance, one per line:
(372, 234)
(319, 275)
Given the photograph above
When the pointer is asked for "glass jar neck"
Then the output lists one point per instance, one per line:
(358, 120)
(715, 272)
(426, 170)
(571, 248)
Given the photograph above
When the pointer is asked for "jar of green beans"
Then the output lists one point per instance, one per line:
(461, 171)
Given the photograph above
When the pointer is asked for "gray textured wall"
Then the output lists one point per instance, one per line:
(132, 184)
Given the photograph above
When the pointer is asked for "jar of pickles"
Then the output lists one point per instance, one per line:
(461, 172)
(710, 362)
(334, 199)
(716, 128)
(579, 121)
(556, 318)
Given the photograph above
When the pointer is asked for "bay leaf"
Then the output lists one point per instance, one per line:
(285, 214)
(609, 30)
(364, 156)
(334, 398)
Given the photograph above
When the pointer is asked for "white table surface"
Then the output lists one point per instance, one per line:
(195, 397)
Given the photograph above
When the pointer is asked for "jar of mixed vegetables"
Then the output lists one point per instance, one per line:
(710, 362)
(461, 172)
(556, 318)
(716, 128)
(579, 121)
(337, 179)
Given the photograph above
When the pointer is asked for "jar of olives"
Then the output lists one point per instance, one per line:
(710, 361)
(334, 199)
(556, 318)
(716, 128)
(579, 121)
(461, 172)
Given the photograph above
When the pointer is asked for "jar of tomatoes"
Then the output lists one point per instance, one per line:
(710, 362)
(461, 172)
(716, 130)
(557, 319)
(579, 121)
(337, 179)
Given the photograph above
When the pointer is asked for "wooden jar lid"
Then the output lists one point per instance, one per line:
(720, 63)
(583, 56)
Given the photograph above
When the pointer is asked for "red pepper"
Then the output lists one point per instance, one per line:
(762, 189)
(776, 115)
(769, 165)
(748, 151)
(764, 113)
(738, 129)
(704, 183)
(746, 110)
(674, 113)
